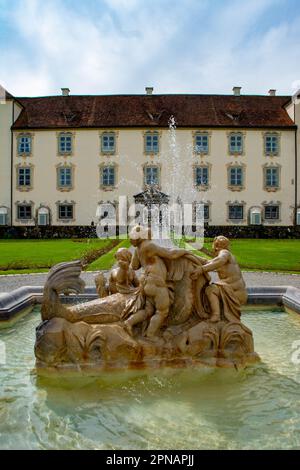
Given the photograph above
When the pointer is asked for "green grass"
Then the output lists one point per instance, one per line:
(20, 256)
(33, 256)
(266, 255)
(108, 260)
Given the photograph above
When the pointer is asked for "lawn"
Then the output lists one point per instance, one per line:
(108, 260)
(19, 256)
(29, 256)
(266, 255)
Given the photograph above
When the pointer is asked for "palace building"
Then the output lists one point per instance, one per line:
(63, 156)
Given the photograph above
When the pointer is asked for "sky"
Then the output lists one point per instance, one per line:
(122, 46)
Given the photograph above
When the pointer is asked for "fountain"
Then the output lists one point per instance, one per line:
(171, 317)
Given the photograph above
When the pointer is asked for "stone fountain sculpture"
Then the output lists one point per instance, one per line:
(172, 316)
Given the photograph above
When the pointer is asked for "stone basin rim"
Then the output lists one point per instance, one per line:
(13, 303)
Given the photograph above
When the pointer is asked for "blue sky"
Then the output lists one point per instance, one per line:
(176, 46)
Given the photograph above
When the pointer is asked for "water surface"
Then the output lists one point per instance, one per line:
(206, 409)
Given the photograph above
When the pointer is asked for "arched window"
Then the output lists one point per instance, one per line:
(43, 216)
(255, 216)
(3, 216)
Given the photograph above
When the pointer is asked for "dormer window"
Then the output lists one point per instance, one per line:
(24, 144)
(151, 142)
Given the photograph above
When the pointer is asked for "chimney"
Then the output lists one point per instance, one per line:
(272, 92)
(236, 90)
(65, 91)
(149, 90)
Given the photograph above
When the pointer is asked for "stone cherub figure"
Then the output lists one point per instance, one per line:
(122, 279)
(152, 258)
(229, 293)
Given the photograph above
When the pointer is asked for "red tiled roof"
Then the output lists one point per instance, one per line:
(154, 111)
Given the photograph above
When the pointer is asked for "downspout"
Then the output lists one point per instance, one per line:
(11, 163)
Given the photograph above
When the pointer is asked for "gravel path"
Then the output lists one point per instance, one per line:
(9, 283)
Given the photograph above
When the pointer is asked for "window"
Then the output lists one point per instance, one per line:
(24, 177)
(108, 176)
(152, 175)
(3, 216)
(271, 144)
(236, 176)
(24, 145)
(298, 217)
(236, 143)
(151, 142)
(65, 211)
(202, 212)
(201, 175)
(65, 177)
(108, 142)
(43, 216)
(201, 143)
(65, 143)
(272, 212)
(236, 212)
(271, 177)
(255, 217)
(24, 212)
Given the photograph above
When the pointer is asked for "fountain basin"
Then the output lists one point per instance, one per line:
(15, 304)
(206, 408)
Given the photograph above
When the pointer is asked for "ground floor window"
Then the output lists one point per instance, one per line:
(272, 212)
(3, 216)
(255, 216)
(24, 212)
(202, 211)
(43, 216)
(236, 212)
(65, 211)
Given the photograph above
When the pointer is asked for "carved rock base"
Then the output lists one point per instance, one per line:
(64, 345)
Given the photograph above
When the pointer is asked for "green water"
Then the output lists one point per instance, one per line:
(208, 409)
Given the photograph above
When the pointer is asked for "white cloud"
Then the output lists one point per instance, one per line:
(120, 46)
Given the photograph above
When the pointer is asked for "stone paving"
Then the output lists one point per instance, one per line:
(9, 283)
